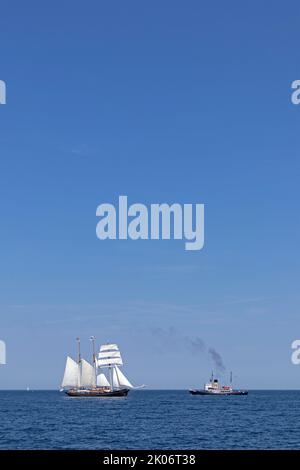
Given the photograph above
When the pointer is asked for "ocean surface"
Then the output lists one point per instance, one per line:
(150, 420)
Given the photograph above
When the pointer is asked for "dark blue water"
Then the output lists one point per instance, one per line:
(150, 420)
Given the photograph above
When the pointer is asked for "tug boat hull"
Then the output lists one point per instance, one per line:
(222, 393)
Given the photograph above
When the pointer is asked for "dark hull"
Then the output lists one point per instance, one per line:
(205, 392)
(98, 393)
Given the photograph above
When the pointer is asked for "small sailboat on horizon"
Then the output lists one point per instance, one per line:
(102, 378)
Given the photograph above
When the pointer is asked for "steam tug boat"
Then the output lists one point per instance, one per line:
(214, 388)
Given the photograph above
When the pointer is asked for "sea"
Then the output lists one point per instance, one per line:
(150, 419)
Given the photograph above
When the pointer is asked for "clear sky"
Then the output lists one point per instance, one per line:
(163, 101)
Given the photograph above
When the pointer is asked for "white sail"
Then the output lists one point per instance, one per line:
(122, 380)
(71, 375)
(87, 374)
(102, 380)
(102, 355)
(109, 361)
(115, 379)
(109, 347)
(109, 355)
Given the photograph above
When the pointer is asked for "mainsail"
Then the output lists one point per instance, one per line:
(78, 375)
(87, 374)
(71, 375)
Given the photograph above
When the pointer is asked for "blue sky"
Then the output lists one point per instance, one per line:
(164, 102)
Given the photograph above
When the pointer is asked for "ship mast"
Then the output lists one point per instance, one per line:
(111, 377)
(92, 339)
(79, 363)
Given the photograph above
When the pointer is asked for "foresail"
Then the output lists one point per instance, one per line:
(87, 374)
(71, 374)
(123, 381)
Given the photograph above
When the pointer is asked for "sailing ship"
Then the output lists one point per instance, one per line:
(83, 379)
(213, 387)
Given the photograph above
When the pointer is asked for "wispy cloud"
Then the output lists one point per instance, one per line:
(141, 313)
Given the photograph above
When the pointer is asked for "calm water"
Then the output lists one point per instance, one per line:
(150, 420)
